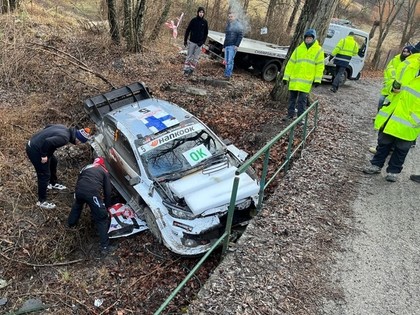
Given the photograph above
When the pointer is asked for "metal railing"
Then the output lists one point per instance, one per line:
(265, 153)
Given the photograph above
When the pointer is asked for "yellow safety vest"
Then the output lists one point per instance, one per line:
(390, 73)
(305, 66)
(401, 118)
(405, 72)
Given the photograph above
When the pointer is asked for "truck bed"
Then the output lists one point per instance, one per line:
(252, 46)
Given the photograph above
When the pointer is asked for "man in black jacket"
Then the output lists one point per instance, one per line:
(93, 182)
(40, 150)
(197, 31)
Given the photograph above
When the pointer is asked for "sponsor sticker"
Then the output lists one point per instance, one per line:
(177, 133)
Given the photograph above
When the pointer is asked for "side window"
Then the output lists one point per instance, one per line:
(124, 149)
(330, 33)
(117, 139)
(109, 129)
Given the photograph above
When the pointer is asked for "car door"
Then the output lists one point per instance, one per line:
(123, 164)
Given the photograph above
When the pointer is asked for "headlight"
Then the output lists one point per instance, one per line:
(179, 213)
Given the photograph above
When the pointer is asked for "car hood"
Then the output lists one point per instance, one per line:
(206, 191)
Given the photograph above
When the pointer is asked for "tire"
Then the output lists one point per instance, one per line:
(150, 219)
(270, 70)
(343, 78)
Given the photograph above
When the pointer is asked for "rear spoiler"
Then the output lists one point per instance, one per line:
(98, 106)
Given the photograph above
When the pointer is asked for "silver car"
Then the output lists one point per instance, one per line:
(170, 168)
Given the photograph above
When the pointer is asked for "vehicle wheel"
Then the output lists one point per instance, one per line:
(343, 78)
(270, 70)
(151, 223)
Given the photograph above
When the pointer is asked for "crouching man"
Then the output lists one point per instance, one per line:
(93, 182)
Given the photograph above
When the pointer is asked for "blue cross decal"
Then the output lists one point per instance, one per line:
(158, 123)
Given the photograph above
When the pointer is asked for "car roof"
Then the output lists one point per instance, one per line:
(148, 117)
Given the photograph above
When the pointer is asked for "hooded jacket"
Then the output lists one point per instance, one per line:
(406, 71)
(93, 180)
(401, 118)
(51, 138)
(305, 66)
(197, 30)
(390, 72)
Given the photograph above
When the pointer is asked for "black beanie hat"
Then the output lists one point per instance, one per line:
(200, 9)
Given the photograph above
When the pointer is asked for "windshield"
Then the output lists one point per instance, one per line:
(179, 151)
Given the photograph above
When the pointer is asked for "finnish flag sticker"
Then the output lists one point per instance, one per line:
(156, 119)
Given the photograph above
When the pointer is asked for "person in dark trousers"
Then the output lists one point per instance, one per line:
(40, 150)
(303, 70)
(346, 48)
(197, 32)
(93, 183)
(233, 38)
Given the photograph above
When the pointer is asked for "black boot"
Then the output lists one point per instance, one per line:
(415, 178)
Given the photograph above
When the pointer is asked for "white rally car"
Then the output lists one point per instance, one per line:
(170, 168)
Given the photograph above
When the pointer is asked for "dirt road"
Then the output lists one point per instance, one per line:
(331, 240)
(379, 267)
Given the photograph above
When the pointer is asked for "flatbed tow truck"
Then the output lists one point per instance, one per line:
(266, 58)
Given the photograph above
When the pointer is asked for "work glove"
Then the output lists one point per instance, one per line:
(284, 82)
(330, 57)
(396, 85)
(316, 84)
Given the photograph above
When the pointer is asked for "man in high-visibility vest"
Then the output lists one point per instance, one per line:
(346, 48)
(304, 69)
(390, 73)
(399, 126)
(389, 77)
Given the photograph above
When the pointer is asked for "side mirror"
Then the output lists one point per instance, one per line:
(240, 154)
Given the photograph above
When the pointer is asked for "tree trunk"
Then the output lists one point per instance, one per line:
(128, 22)
(388, 11)
(373, 29)
(245, 6)
(139, 25)
(293, 16)
(163, 17)
(270, 11)
(410, 22)
(315, 14)
(113, 21)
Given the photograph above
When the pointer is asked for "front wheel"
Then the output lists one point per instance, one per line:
(150, 219)
(343, 78)
(270, 70)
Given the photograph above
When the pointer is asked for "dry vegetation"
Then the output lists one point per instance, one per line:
(47, 70)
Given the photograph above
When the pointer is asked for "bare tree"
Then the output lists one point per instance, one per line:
(373, 29)
(8, 5)
(270, 11)
(138, 25)
(246, 5)
(113, 21)
(163, 17)
(128, 23)
(133, 23)
(387, 11)
(411, 21)
(315, 14)
(292, 17)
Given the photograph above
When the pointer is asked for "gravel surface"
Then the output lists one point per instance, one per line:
(330, 240)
